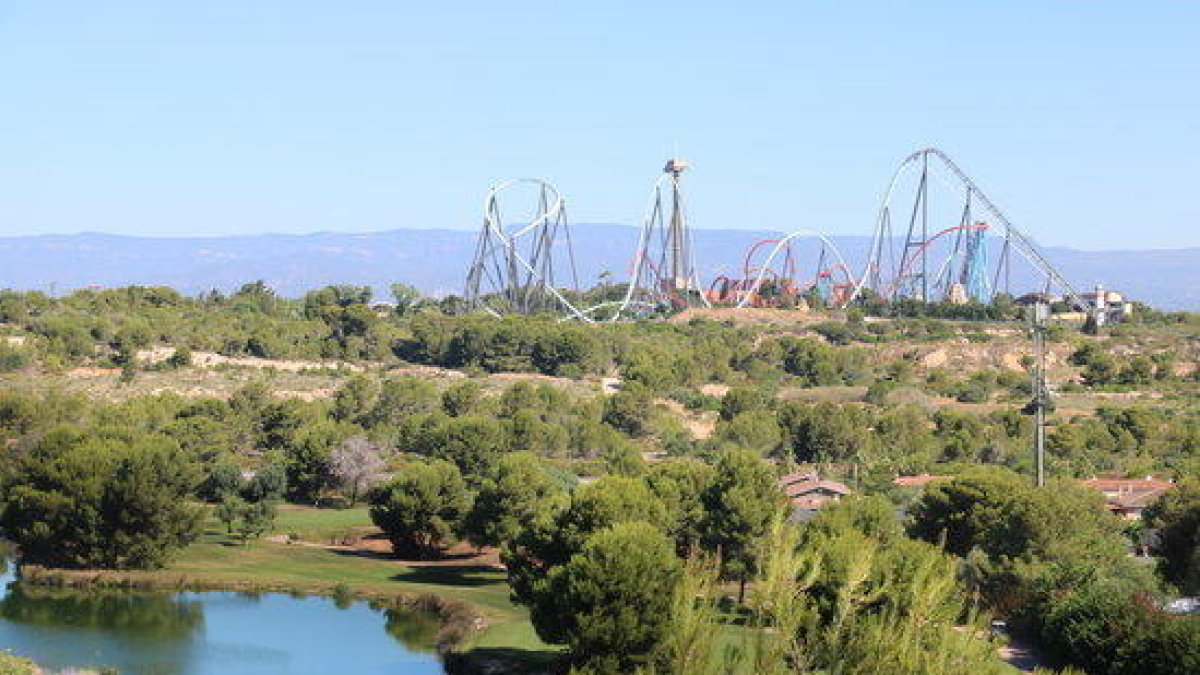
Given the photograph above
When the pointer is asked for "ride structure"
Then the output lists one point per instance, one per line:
(774, 281)
(937, 238)
(939, 251)
(663, 275)
(527, 267)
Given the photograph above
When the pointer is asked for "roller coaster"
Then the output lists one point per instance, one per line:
(774, 281)
(515, 266)
(949, 224)
(663, 275)
(949, 243)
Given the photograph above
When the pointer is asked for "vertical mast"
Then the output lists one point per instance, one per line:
(680, 270)
(1040, 395)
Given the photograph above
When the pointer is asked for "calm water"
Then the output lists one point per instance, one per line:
(226, 633)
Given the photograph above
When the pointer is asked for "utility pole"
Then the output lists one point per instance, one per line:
(1041, 396)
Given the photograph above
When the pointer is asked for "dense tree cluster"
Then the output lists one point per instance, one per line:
(98, 500)
(1054, 562)
(1175, 517)
(848, 592)
(566, 564)
(1101, 368)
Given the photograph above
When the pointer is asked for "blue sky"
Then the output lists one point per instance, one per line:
(1082, 120)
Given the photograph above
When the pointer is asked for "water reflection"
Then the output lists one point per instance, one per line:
(201, 633)
(147, 615)
(417, 631)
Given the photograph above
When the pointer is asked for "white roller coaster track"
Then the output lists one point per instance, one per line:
(782, 245)
(494, 229)
(1022, 243)
(650, 223)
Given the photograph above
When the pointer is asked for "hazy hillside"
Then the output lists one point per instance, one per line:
(436, 260)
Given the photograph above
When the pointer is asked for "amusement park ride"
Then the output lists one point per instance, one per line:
(942, 249)
(773, 281)
(934, 195)
(664, 268)
(515, 266)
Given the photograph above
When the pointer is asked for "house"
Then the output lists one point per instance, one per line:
(808, 492)
(1128, 497)
(918, 481)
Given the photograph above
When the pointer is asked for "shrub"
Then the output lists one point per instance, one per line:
(420, 510)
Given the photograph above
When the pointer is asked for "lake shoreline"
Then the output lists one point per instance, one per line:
(459, 619)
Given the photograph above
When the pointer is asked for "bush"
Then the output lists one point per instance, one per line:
(421, 509)
(12, 359)
(1107, 632)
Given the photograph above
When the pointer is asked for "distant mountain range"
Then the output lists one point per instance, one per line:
(436, 261)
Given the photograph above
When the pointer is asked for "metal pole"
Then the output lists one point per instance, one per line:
(676, 236)
(1040, 312)
(925, 230)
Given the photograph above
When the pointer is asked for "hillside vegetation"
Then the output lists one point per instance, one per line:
(143, 428)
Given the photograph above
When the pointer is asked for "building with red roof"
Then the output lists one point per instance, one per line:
(1129, 497)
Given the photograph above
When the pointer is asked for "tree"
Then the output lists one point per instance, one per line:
(624, 459)
(516, 493)
(680, 485)
(610, 500)
(181, 358)
(612, 600)
(355, 464)
(268, 484)
(1101, 629)
(825, 432)
(818, 364)
(257, 518)
(399, 399)
(1022, 542)
(421, 508)
(629, 410)
(543, 546)
(408, 298)
(307, 459)
(1176, 516)
(1100, 369)
(739, 504)
(224, 479)
(229, 509)
(344, 309)
(756, 430)
(257, 295)
(568, 351)
(740, 400)
(1003, 514)
(697, 624)
(461, 398)
(355, 399)
(473, 443)
(97, 501)
(835, 597)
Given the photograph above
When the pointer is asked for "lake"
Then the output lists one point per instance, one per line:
(211, 632)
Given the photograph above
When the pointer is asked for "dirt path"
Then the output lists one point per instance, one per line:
(212, 359)
(1022, 655)
(376, 546)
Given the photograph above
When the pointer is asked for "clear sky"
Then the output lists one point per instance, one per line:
(1082, 119)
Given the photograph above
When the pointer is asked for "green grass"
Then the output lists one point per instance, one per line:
(217, 559)
(319, 525)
